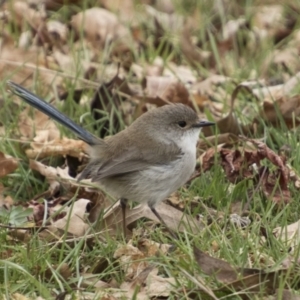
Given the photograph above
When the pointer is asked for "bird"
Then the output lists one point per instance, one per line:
(145, 162)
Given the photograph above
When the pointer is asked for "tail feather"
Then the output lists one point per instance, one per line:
(53, 113)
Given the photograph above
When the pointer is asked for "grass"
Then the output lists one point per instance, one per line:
(36, 268)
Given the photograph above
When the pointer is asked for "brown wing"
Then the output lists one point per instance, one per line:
(132, 160)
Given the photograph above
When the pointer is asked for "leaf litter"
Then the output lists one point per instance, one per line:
(126, 86)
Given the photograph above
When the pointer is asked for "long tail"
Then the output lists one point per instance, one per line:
(53, 113)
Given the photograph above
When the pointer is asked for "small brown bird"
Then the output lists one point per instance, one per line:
(147, 161)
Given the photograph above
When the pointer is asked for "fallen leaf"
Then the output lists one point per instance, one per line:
(289, 234)
(131, 259)
(221, 269)
(100, 26)
(284, 108)
(223, 139)
(22, 13)
(57, 147)
(242, 280)
(8, 164)
(238, 165)
(27, 65)
(194, 55)
(50, 172)
(62, 269)
(209, 87)
(74, 220)
(167, 89)
(107, 102)
(58, 31)
(39, 124)
(150, 285)
(174, 219)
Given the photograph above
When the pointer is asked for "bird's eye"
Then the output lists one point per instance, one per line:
(182, 124)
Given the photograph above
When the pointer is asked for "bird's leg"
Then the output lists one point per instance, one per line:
(163, 222)
(123, 204)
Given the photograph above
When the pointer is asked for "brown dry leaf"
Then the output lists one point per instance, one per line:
(54, 176)
(221, 269)
(58, 31)
(270, 182)
(98, 202)
(294, 177)
(38, 213)
(280, 176)
(5, 202)
(39, 124)
(167, 89)
(89, 280)
(151, 248)
(285, 294)
(57, 4)
(268, 19)
(289, 235)
(231, 29)
(182, 73)
(140, 275)
(17, 296)
(152, 286)
(286, 108)
(57, 147)
(74, 221)
(159, 286)
(164, 22)
(209, 87)
(237, 279)
(160, 91)
(62, 269)
(202, 101)
(124, 9)
(53, 234)
(113, 219)
(59, 179)
(269, 93)
(287, 57)
(260, 282)
(223, 140)
(238, 165)
(52, 209)
(109, 99)
(20, 11)
(8, 164)
(235, 163)
(22, 66)
(50, 172)
(229, 123)
(207, 159)
(100, 26)
(71, 62)
(21, 235)
(175, 200)
(132, 260)
(175, 219)
(25, 66)
(194, 55)
(166, 6)
(142, 70)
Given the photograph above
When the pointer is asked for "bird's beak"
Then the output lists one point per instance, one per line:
(203, 123)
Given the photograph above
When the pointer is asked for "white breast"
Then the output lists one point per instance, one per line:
(162, 180)
(188, 143)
